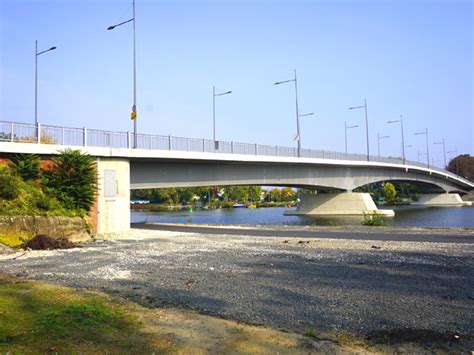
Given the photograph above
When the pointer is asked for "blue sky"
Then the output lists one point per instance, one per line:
(406, 57)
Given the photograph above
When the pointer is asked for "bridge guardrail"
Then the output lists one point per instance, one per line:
(49, 134)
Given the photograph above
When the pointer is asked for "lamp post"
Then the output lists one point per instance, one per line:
(379, 137)
(444, 150)
(346, 127)
(427, 147)
(214, 95)
(366, 125)
(134, 107)
(36, 82)
(403, 139)
(298, 137)
(455, 151)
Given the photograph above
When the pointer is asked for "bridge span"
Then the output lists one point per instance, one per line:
(164, 161)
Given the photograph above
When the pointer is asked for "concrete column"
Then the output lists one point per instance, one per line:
(333, 204)
(442, 200)
(113, 195)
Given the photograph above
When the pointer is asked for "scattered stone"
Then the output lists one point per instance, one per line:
(6, 249)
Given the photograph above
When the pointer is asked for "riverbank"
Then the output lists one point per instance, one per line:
(214, 206)
(389, 295)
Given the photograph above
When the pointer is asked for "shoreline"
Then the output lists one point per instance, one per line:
(289, 227)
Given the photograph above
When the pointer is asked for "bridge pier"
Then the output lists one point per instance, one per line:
(345, 203)
(113, 195)
(442, 200)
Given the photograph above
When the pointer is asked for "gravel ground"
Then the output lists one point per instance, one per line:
(363, 287)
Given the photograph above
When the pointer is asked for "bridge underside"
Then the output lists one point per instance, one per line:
(160, 174)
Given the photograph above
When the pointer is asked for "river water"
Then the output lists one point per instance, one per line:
(406, 216)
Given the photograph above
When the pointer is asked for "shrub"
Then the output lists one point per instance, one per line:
(10, 184)
(373, 219)
(27, 166)
(72, 180)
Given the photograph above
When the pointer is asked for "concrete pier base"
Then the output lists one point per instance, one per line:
(346, 203)
(469, 196)
(442, 200)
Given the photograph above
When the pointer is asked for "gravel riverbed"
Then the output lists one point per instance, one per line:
(363, 287)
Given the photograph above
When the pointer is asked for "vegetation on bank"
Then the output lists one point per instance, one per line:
(373, 220)
(66, 188)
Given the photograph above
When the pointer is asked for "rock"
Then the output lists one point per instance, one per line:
(6, 250)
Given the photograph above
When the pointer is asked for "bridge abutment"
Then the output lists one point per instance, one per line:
(113, 196)
(443, 199)
(332, 204)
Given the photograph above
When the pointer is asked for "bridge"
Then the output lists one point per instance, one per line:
(167, 161)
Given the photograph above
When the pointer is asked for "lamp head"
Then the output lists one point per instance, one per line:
(110, 28)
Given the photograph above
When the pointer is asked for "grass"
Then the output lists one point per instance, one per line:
(14, 239)
(39, 318)
(42, 318)
(310, 333)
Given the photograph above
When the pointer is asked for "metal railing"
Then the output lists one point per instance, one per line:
(47, 134)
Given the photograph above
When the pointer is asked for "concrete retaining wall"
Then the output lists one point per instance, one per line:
(72, 228)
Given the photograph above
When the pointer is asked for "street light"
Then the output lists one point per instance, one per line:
(366, 125)
(379, 137)
(298, 137)
(444, 150)
(216, 144)
(403, 139)
(346, 127)
(36, 82)
(134, 107)
(427, 147)
(455, 151)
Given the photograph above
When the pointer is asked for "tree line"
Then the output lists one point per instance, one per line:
(208, 195)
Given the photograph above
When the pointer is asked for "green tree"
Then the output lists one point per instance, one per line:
(72, 180)
(274, 195)
(255, 193)
(236, 193)
(287, 194)
(27, 166)
(389, 192)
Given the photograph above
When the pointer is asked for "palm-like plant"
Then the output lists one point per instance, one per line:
(73, 179)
